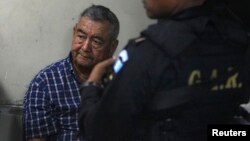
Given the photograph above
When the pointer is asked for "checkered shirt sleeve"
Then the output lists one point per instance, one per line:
(37, 110)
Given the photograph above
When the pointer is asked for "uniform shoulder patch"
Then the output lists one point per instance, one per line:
(122, 58)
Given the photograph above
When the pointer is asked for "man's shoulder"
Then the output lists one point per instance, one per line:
(55, 69)
(58, 66)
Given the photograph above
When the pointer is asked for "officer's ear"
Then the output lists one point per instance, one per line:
(113, 47)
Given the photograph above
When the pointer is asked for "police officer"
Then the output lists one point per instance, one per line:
(183, 73)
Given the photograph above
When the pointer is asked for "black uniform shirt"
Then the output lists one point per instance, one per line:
(121, 110)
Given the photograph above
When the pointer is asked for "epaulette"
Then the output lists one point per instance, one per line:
(139, 40)
(135, 42)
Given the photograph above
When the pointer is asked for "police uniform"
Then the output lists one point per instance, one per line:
(183, 73)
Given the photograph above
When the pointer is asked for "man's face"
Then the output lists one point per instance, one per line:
(91, 42)
(160, 8)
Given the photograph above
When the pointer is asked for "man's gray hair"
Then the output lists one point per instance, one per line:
(101, 13)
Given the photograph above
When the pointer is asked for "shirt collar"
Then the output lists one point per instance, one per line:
(69, 61)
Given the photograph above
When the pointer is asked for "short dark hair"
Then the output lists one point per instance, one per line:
(101, 13)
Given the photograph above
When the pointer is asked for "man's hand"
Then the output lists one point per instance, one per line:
(100, 69)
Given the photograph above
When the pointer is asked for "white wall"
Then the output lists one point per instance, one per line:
(35, 33)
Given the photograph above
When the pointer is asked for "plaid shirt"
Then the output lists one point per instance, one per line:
(52, 102)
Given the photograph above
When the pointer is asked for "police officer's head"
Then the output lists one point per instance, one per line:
(162, 8)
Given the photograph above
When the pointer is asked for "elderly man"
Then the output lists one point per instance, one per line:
(52, 101)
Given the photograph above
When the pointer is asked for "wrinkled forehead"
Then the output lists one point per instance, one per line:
(94, 23)
(98, 27)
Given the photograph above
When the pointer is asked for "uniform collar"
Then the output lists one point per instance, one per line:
(206, 9)
(173, 34)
